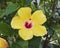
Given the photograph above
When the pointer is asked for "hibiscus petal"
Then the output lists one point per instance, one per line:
(38, 17)
(39, 31)
(26, 34)
(16, 22)
(3, 43)
(24, 12)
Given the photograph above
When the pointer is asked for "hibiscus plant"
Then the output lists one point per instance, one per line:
(29, 23)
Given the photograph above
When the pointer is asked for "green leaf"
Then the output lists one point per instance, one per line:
(25, 2)
(33, 7)
(59, 39)
(20, 44)
(34, 43)
(2, 13)
(57, 28)
(51, 31)
(4, 29)
(11, 8)
(56, 46)
(40, 46)
(15, 45)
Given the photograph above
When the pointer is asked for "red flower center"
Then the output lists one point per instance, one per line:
(28, 24)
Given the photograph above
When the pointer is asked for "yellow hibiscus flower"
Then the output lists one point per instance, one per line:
(3, 43)
(28, 24)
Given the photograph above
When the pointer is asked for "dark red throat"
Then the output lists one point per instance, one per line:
(28, 25)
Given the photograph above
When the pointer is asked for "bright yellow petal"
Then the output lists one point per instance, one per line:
(16, 22)
(24, 12)
(26, 34)
(38, 17)
(39, 30)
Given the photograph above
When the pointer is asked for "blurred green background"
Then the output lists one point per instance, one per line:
(51, 8)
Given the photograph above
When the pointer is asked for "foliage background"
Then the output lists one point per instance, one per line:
(51, 8)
